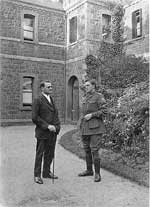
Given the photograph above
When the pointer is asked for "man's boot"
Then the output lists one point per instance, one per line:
(89, 171)
(97, 177)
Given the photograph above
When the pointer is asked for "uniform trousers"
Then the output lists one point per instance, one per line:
(91, 145)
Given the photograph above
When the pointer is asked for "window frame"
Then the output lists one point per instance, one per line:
(70, 30)
(108, 35)
(29, 29)
(134, 24)
(35, 29)
(34, 90)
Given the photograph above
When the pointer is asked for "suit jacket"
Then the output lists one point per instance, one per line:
(43, 114)
(94, 104)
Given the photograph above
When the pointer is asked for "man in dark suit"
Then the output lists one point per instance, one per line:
(45, 116)
(92, 128)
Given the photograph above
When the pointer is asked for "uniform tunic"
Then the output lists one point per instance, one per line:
(95, 104)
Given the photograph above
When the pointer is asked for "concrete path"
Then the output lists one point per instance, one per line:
(18, 188)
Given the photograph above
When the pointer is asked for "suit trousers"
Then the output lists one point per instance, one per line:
(45, 149)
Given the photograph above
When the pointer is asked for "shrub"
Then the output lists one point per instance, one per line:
(127, 125)
(124, 71)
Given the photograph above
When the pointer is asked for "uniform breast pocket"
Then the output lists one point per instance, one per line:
(92, 106)
(93, 123)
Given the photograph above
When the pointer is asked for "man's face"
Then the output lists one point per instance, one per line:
(47, 89)
(88, 87)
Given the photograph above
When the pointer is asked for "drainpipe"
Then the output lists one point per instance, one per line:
(65, 97)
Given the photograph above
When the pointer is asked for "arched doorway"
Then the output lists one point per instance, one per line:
(73, 99)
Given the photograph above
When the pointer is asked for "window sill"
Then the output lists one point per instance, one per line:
(73, 43)
(134, 40)
(30, 42)
(26, 108)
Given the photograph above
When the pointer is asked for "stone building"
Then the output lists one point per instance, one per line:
(32, 49)
(49, 39)
(85, 26)
(137, 27)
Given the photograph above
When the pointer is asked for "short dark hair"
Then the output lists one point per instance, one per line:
(42, 84)
(93, 82)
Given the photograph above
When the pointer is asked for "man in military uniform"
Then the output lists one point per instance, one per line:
(92, 128)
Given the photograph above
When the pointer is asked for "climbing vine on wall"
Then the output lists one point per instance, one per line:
(116, 69)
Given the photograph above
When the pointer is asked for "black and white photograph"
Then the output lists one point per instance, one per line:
(74, 103)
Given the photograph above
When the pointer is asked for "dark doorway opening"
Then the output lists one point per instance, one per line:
(73, 99)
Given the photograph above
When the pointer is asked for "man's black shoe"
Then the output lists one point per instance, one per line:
(50, 175)
(85, 173)
(97, 177)
(38, 180)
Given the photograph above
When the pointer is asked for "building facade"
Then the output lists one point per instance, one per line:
(49, 39)
(85, 22)
(137, 27)
(32, 49)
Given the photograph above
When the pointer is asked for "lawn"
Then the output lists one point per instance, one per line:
(110, 160)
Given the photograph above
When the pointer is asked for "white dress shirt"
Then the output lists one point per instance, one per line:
(47, 97)
(50, 127)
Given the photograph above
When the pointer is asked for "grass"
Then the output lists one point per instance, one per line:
(109, 160)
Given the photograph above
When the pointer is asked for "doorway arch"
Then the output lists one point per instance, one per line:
(73, 99)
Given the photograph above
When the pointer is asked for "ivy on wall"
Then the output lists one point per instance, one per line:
(116, 69)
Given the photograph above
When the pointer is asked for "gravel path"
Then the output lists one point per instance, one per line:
(18, 188)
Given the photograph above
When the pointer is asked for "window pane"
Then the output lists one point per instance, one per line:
(28, 35)
(133, 25)
(29, 22)
(138, 29)
(106, 23)
(136, 24)
(27, 91)
(106, 19)
(73, 30)
(27, 98)
(28, 27)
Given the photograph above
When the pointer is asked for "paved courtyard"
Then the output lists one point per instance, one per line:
(18, 189)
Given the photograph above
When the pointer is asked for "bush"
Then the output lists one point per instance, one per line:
(92, 66)
(127, 125)
(124, 71)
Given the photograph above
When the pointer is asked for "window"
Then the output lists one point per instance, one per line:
(137, 23)
(28, 27)
(27, 91)
(73, 29)
(106, 25)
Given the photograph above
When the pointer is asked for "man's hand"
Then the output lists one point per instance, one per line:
(88, 117)
(52, 128)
